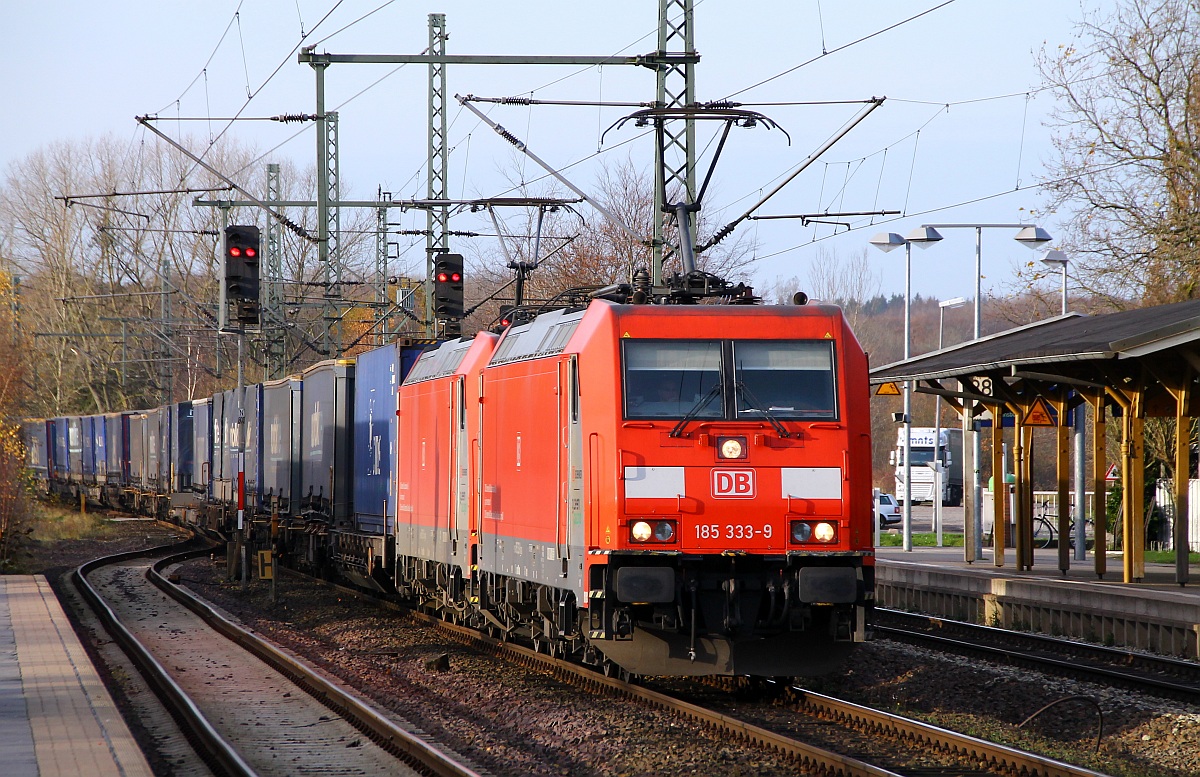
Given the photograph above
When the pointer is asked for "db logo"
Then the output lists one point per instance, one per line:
(733, 483)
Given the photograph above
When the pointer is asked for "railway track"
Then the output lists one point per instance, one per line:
(248, 708)
(879, 743)
(1159, 675)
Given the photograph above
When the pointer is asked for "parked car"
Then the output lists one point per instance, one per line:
(887, 511)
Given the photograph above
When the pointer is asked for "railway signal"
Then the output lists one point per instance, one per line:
(448, 286)
(241, 270)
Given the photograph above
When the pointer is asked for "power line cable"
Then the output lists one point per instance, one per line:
(824, 54)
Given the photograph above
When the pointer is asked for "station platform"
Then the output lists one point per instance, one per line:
(1155, 614)
(56, 716)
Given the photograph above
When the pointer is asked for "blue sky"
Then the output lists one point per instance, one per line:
(960, 138)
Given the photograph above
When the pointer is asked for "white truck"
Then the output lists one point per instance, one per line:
(927, 446)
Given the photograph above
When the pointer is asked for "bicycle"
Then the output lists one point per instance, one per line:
(1044, 525)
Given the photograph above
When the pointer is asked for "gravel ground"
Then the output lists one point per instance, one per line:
(53, 559)
(1143, 735)
(507, 719)
(521, 722)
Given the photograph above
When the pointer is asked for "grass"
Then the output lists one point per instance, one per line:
(1168, 557)
(920, 539)
(929, 540)
(53, 524)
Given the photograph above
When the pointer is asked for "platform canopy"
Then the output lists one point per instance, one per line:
(1070, 347)
(1131, 365)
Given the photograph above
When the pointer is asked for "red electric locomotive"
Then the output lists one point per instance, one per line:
(668, 489)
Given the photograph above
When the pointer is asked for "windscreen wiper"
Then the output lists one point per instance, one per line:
(754, 404)
(677, 430)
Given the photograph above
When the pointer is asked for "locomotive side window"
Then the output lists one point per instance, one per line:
(785, 379)
(672, 378)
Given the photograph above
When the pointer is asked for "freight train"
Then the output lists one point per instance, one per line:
(652, 489)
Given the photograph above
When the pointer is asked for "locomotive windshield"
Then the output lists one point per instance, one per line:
(668, 378)
(730, 379)
(785, 379)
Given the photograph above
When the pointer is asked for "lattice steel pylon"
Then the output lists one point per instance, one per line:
(674, 158)
(332, 228)
(381, 272)
(438, 217)
(328, 221)
(273, 315)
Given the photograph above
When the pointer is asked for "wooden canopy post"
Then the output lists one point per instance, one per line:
(1136, 531)
(1063, 464)
(1133, 560)
(1021, 515)
(1025, 495)
(999, 487)
(1099, 482)
(1183, 441)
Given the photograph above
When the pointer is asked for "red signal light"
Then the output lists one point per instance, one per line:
(235, 251)
(456, 277)
(250, 253)
(442, 277)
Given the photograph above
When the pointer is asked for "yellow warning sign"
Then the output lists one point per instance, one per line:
(266, 565)
(887, 390)
(1039, 414)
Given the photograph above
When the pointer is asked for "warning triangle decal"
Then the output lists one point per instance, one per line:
(1039, 414)
(887, 390)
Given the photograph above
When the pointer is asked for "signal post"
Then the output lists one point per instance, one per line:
(240, 258)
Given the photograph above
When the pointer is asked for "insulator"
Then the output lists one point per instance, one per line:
(511, 138)
(641, 282)
(722, 105)
(290, 118)
(516, 100)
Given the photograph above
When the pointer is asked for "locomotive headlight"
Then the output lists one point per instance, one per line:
(825, 532)
(664, 531)
(801, 531)
(731, 447)
(641, 531)
(813, 532)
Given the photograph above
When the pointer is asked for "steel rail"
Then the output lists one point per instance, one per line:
(209, 745)
(1181, 681)
(407, 745)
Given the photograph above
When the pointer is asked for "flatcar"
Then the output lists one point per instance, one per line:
(655, 489)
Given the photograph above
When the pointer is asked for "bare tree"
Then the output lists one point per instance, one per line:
(121, 289)
(1125, 168)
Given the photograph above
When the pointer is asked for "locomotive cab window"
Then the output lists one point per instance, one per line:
(785, 379)
(672, 378)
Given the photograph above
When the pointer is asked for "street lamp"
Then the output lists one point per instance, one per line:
(887, 241)
(939, 470)
(1030, 236)
(1058, 258)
